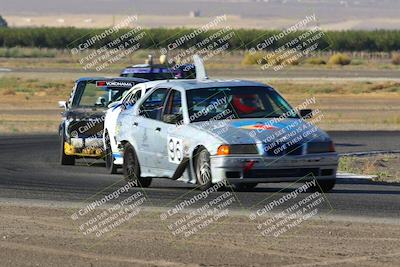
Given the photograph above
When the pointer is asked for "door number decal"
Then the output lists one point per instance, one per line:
(175, 150)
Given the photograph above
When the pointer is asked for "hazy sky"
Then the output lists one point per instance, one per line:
(246, 8)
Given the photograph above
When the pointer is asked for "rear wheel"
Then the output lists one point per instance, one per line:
(324, 185)
(110, 166)
(203, 169)
(65, 159)
(131, 167)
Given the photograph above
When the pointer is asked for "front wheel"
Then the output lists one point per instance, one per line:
(324, 185)
(203, 169)
(65, 159)
(110, 166)
(131, 167)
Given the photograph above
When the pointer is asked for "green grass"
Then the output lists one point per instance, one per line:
(339, 59)
(63, 37)
(315, 61)
(12, 85)
(346, 164)
(24, 52)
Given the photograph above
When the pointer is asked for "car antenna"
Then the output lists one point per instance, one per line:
(149, 60)
(201, 73)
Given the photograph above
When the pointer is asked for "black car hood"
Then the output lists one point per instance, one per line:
(84, 113)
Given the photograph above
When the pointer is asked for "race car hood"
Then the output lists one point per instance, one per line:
(84, 113)
(85, 122)
(251, 131)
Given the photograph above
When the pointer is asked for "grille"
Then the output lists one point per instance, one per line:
(277, 173)
(243, 149)
(318, 147)
(86, 129)
(282, 149)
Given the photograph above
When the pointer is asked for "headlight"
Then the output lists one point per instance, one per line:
(320, 147)
(225, 150)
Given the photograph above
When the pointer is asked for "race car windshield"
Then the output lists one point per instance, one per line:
(93, 94)
(236, 103)
(150, 76)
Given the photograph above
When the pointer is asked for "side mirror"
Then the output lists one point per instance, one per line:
(113, 104)
(306, 113)
(171, 118)
(62, 104)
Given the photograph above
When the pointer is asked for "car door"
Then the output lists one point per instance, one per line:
(169, 147)
(147, 130)
(119, 112)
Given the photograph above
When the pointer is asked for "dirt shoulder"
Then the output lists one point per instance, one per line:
(385, 167)
(44, 236)
(28, 104)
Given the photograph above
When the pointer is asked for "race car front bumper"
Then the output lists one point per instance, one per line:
(258, 169)
(81, 147)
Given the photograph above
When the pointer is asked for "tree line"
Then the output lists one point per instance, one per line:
(68, 37)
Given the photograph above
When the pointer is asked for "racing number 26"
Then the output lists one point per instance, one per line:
(175, 150)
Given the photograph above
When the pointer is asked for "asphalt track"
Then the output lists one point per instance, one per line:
(29, 170)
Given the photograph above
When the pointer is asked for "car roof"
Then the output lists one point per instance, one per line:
(147, 66)
(125, 79)
(156, 66)
(150, 84)
(196, 84)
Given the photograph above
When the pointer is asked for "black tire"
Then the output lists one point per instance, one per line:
(65, 159)
(203, 169)
(110, 166)
(131, 167)
(245, 186)
(324, 185)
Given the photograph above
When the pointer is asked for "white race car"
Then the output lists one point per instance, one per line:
(113, 157)
(209, 131)
(112, 148)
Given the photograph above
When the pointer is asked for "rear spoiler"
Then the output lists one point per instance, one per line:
(201, 73)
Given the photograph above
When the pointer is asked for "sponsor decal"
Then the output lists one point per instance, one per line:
(100, 84)
(258, 127)
(146, 70)
(137, 70)
(114, 84)
(254, 125)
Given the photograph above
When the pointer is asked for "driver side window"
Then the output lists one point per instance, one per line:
(173, 112)
(133, 98)
(136, 97)
(152, 107)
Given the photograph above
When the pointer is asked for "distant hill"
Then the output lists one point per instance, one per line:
(333, 14)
